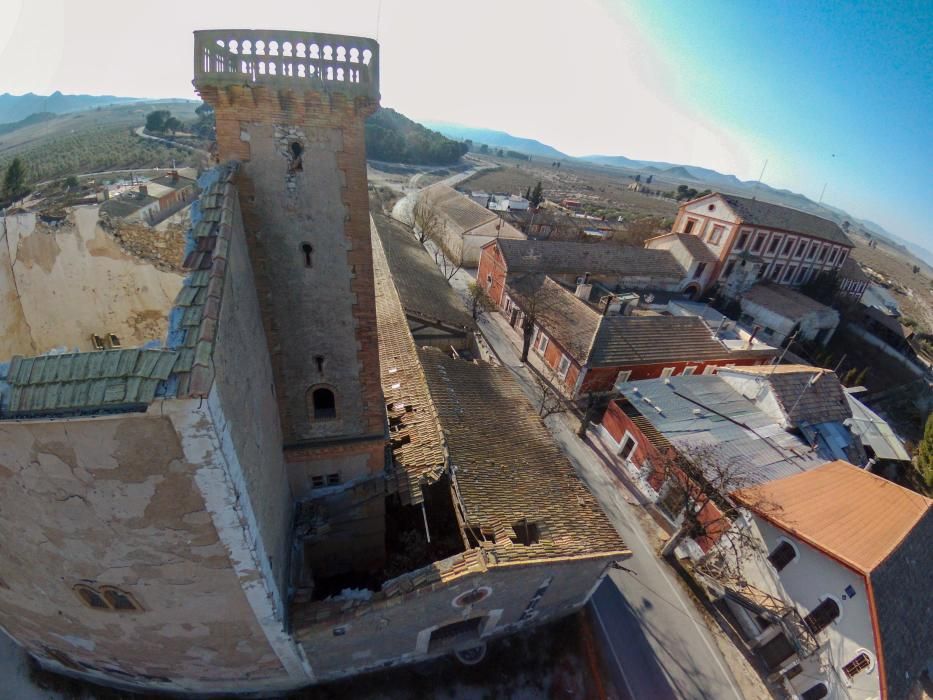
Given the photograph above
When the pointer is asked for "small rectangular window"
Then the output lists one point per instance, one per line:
(563, 366)
(623, 376)
(776, 272)
(628, 446)
(709, 369)
(759, 241)
(716, 234)
(688, 371)
(788, 246)
(317, 482)
(333, 479)
(789, 275)
(667, 372)
(775, 242)
(856, 665)
(743, 239)
(688, 227)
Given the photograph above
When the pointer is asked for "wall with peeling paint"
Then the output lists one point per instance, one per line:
(246, 391)
(360, 636)
(64, 283)
(114, 500)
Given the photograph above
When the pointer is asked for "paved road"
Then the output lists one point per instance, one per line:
(650, 628)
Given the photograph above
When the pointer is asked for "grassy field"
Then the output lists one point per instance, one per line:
(91, 141)
(596, 187)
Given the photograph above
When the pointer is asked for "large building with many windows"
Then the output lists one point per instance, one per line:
(755, 240)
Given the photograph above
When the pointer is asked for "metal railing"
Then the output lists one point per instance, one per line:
(325, 62)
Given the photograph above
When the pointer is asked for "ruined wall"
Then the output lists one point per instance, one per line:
(73, 281)
(246, 393)
(15, 334)
(163, 247)
(114, 501)
(386, 632)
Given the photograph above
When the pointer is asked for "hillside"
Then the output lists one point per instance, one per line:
(393, 137)
(53, 146)
(497, 139)
(13, 108)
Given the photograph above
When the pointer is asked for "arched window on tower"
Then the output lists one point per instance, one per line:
(323, 404)
(306, 251)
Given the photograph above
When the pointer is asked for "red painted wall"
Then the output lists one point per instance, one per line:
(491, 265)
(616, 423)
(603, 378)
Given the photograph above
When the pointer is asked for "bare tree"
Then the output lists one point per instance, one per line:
(533, 298)
(548, 398)
(696, 483)
(596, 404)
(480, 301)
(425, 221)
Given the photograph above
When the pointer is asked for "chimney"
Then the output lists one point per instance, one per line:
(143, 190)
(583, 291)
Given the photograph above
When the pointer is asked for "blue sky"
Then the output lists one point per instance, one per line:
(828, 92)
(831, 92)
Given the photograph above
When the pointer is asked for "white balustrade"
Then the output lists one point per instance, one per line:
(327, 61)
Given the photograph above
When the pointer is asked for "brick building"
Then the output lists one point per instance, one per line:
(708, 423)
(777, 243)
(605, 266)
(589, 350)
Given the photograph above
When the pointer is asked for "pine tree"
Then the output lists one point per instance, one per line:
(536, 196)
(925, 453)
(14, 180)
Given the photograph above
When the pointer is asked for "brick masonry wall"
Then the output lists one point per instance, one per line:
(165, 249)
(282, 208)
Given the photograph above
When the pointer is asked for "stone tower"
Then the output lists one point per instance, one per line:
(291, 107)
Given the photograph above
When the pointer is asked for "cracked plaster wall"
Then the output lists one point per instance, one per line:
(396, 630)
(114, 501)
(64, 283)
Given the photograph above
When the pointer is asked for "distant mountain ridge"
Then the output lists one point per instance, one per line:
(14, 108)
(686, 174)
(496, 139)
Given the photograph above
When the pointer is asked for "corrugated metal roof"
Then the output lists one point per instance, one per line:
(875, 432)
(705, 413)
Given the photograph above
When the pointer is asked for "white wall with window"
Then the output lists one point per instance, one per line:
(817, 586)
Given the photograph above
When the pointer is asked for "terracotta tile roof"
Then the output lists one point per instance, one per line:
(193, 320)
(758, 213)
(578, 257)
(83, 381)
(783, 301)
(804, 394)
(416, 440)
(852, 515)
(880, 530)
(423, 289)
(568, 320)
(508, 470)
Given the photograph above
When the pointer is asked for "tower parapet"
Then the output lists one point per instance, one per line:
(287, 59)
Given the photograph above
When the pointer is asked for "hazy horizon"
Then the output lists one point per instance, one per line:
(829, 95)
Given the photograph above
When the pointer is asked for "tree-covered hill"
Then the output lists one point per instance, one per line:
(393, 137)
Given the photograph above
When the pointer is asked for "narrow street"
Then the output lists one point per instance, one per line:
(649, 627)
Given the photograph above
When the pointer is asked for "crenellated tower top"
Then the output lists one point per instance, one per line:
(287, 60)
